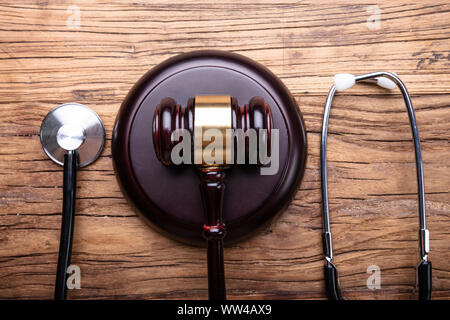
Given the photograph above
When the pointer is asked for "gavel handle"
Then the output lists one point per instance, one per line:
(212, 188)
(67, 222)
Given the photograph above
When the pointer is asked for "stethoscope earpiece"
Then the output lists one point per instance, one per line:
(343, 81)
(72, 135)
(389, 81)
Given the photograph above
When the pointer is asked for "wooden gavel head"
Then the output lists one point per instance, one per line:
(252, 123)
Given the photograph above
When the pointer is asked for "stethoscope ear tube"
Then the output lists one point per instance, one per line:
(389, 81)
(67, 223)
(424, 276)
(331, 281)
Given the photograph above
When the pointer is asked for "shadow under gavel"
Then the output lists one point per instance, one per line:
(221, 120)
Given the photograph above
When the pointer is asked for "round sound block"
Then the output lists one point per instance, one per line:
(169, 197)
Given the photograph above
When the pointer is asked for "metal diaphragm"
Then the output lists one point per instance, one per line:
(72, 126)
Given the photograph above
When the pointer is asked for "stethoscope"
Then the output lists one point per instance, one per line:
(389, 81)
(72, 135)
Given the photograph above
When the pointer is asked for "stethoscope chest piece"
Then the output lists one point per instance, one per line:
(72, 135)
(72, 126)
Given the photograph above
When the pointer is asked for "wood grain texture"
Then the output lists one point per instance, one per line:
(372, 184)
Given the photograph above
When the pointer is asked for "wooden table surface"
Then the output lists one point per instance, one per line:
(47, 59)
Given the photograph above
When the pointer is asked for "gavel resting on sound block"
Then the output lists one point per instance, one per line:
(239, 135)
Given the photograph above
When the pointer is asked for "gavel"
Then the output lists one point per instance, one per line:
(223, 116)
